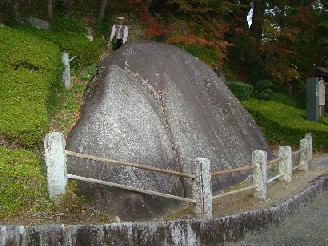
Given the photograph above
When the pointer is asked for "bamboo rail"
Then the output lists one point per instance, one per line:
(294, 168)
(297, 152)
(233, 192)
(269, 163)
(129, 164)
(131, 188)
(232, 170)
(274, 178)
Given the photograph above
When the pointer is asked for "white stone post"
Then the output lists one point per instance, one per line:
(259, 160)
(202, 187)
(285, 165)
(304, 146)
(89, 35)
(55, 158)
(66, 77)
(308, 136)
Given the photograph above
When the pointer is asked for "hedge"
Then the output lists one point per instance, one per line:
(263, 90)
(30, 67)
(289, 100)
(286, 125)
(21, 179)
(241, 90)
(76, 44)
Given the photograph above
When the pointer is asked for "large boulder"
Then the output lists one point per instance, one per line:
(157, 105)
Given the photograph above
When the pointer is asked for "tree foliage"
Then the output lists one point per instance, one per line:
(286, 41)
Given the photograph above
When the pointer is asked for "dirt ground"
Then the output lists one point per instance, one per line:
(276, 193)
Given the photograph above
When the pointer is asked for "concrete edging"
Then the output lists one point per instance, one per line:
(185, 232)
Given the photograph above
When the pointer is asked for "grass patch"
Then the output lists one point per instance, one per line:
(24, 199)
(22, 181)
(65, 105)
(288, 100)
(30, 68)
(209, 55)
(286, 125)
(76, 44)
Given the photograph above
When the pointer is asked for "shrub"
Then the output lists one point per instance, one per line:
(21, 179)
(209, 55)
(263, 90)
(76, 44)
(29, 67)
(66, 24)
(286, 125)
(241, 90)
(288, 100)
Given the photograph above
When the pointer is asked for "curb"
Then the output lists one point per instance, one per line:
(185, 232)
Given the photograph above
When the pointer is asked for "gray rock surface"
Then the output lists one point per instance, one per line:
(157, 105)
(38, 23)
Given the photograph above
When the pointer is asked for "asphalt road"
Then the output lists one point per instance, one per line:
(308, 228)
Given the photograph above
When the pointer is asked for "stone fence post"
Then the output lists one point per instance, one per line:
(55, 158)
(304, 155)
(202, 187)
(285, 165)
(308, 136)
(259, 160)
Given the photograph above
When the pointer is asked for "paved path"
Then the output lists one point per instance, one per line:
(308, 228)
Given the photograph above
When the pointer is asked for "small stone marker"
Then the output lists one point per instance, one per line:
(66, 77)
(89, 34)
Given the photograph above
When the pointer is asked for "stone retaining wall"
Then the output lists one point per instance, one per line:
(185, 232)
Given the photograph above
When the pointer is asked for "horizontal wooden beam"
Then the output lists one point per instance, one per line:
(129, 164)
(232, 170)
(295, 168)
(275, 161)
(297, 152)
(233, 192)
(131, 188)
(274, 178)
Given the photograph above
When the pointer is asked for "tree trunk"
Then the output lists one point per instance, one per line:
(16, 5)
(255, 60)
(102, 10)
(49, 9)
(258, 19)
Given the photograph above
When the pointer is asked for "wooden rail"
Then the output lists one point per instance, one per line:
(233, 192)
(232, 170)
(131, 188)
(274, 178)
(269, 163)
(129, 164)
(297, 152)
(294, 168)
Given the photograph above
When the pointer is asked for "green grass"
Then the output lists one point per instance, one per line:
(285, 125)
(76, 44)
(22, 181)
(30, 68)
(208, 55)
(65, 105)
(288, 100)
